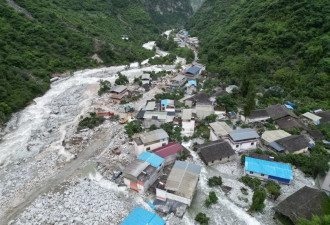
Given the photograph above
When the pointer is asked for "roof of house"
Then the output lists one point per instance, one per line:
(145, 76)
(199, 97)
(151, 106)
(155, 114)
(140, 115)
(220, 93)
(274, 135)
(183, 179)
(243, 134)
(304, 203)
(186, 114)
(263, 157)
(288, 123)
(311, 116)
(221, 128)
(141, 216)
(151, 158)
(166, 102)
(276, 146)
(325, 115)
(119, 89)
(325, 183)
(179, 78)
(269, 168)
(136, 167)
(316, 134)
(215, 150)
(279, 111)
(258, 113)
(168, 150)
(152, 136)
(192, 82)
(293, 143)
(193, 70)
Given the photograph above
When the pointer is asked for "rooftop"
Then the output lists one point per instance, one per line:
(279, 111)
(151, 158)
(316, 134)
(186, 114)
(215, 150)
(243, 134)
(141, 216)
(288, 123)
(221, 128)
(325, 115)
(274, 135)
(269, 168)
(304, 203)
(293, 143)
(192, 82)
(183, 179)
(118, 89)
(155, 114)
(145, 76)
(151, 106)
(179, 78)
(152, 136)
(312, 116)
(258, 113)
(193, 70)
(167, 150)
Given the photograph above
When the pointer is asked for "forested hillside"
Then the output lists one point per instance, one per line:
(269, 43)
(63, 35)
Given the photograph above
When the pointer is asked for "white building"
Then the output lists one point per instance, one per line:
(149, 141)
(145, 78)
(312, 118)
(243, 139)
(273, 135)
(218, 130)
(230, 88)
(188, 122)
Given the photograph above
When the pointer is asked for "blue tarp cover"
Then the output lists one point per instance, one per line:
(151, 158)
(164, 102)
(141, 216)
(193, 82)
(268, 168)
(289, 106)
(151, 205)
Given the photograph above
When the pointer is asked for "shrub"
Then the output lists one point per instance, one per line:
(202, 218)
(121, 80)
(212, 199)
(251, 182)
(133, 127)
(243, 159)
(214, 181)
(105, 86)
(244, 191)
(273, 189)
(90, 122)
(258, 199)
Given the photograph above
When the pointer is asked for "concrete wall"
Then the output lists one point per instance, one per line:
(298, 152)
(147, 123)
(163, 195)
(142, 148)
(258, 175)
(250, 120)
(213, 136)
(188, 127)
(223, 160)
(243, 146)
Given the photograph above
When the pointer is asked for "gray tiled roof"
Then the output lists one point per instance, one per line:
(243, 134)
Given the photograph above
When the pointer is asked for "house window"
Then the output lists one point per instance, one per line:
(237, 146)
(212, 161)
(251, 172)
(262, 175)
(163, 144)
(252, 143)
(148, 149)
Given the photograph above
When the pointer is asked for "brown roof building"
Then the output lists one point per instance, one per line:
(294, 144)
(215, 152)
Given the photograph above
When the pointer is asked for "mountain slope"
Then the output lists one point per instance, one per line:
(285, 43)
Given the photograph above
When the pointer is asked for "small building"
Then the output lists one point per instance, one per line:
(316, 135)
(118, 93)
(141, 216)
(312, 118)
(273, 135)
(279, 111)
(220, 112)
(190, 89)
(265, 169)
(193, 72)
(216, 152)
(324, 183)
(243, 139)
(178, 81)
(204, 109)
(151, 106)
(156, 118)
(259, 115)
(294, 144)
(288, 123)
(154, 81)
(167, 105)
(181, 183)
(169, 152)
(188, 122)
(150, 140)
(200, 97)
(143, 172)
(145, 78)
(325, 116)
(230, 88)
(304, 203)
(218, 130)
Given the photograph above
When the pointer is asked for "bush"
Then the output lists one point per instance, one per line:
(251, 182)
(105, 86)
(121, 80)
(258, 199)
(243, 159)
(273, 188)
(214, 181)
(133, 127)
(202, 218)
(211, 118)
(90, 122)
(212, 199)
(244, 191)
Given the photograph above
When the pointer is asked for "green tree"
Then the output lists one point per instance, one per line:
(133, 127)
(273, 188)
(202, 218)
(316, 220)
(258, 199)
(214, 181)
(105, 86)
(211, 118)
(121, 80)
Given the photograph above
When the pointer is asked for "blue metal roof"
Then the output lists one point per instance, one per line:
(193, 70)
(276, 146)
(151, 158)
(288, 106)
(268, 168)
(164, 102)
(193, 82)
(292, 104)
(141, 216)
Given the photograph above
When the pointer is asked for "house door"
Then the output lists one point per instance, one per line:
(133, 186)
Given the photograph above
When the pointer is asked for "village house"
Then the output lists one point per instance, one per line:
(264, 169)
(325, 116)
(169, 152)
(143, 172)
(283, 117)
(145, 78)
(118, 93)
(230, 88)
(218, 130)
(178, 81)
(311, 118)
(243, 139)
(167, 105)
(216, 152)
(220, 112)
(149, 141)
(304, 203)
(288, 123)
(188, 122)
(181, 183)
(140, 216)
(316, 135)
(204, 109)
(154, 81)
(294, 144)
(193, 72)
(273, 135)
(191, 87)
(259, 115)
(156, 118)
(324, 182)
(200, 97)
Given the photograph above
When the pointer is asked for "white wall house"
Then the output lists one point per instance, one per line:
(150, 140)
(243, 139)
(188, 122)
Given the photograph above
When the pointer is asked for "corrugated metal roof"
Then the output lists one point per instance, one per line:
(152, 136)
(141, 216)
(168, 150)
(150, 106)
(243, 134)
(193, 70)
(221, 128)
(268, 168)
(274, 135)
(118, 89)
(276, 146)
(136, 167)
(312, 116)
(192, 82)
(151, 158)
